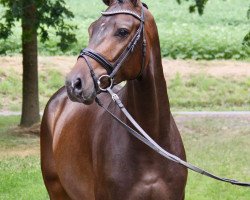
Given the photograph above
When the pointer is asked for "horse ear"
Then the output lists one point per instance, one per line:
(107, 2)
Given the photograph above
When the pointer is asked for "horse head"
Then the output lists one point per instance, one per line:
(109, 37)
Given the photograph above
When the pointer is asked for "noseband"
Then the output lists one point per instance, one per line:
(113, 68)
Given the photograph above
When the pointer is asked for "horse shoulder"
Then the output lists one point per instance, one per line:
(53, 109)
(48, 164)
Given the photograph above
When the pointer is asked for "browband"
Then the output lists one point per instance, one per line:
(128, 12)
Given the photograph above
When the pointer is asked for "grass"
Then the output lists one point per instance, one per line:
(50, 80)
(20, 175)
(194, 93)
(202, 92)
(218, 145)
(21, 179)
(217, 34)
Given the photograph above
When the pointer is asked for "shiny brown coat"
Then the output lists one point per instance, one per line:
(85, 154)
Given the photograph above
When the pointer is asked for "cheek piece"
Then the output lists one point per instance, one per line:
(113, 68)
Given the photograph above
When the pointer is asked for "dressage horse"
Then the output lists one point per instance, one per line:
(85, 154)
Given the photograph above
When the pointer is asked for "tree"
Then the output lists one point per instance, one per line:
(199, 5)
(246, 41)
(37, 17)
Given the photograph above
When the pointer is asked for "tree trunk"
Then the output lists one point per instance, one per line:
(30, 104)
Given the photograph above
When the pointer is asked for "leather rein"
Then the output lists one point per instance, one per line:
(112, 70)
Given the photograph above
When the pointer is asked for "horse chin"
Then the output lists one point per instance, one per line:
(85, 99)
(88, 101)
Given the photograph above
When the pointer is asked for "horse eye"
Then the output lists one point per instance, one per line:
(122, 32)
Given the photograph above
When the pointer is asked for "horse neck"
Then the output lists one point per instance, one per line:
(147, 99)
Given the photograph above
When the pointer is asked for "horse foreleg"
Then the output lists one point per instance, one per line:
(50, 177)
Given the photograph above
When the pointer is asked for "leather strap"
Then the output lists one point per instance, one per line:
(129, 49)
(112, 69)
(128, 12)
(146, 139)
(92, 73)
(99, 58)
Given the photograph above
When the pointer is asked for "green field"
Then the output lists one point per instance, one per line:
(196, 92)
(219, 145)
(20, 176)
(217, 34)
(202, 92)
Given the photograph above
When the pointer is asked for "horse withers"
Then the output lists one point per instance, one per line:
(85, 154)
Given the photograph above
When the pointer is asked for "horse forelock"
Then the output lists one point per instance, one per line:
(110, 2)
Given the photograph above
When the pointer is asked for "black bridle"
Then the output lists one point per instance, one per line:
(112, 70)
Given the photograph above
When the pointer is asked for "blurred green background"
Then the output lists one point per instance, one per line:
(217, 34)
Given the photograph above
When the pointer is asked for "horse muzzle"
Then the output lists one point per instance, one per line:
(77, 93)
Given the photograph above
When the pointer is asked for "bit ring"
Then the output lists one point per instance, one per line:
(111, 81)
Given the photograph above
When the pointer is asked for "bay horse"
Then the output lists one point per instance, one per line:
(85, 154)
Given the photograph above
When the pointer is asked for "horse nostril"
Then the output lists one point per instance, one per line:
(77, 87)
(77, 84)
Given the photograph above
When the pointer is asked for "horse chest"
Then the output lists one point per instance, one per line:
(124, 172)
(114, 163)
(125, 180)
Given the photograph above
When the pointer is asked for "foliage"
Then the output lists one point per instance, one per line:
(246, 40)
(49, 14)
(217, 34)
(200, 5)
(248, 13)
